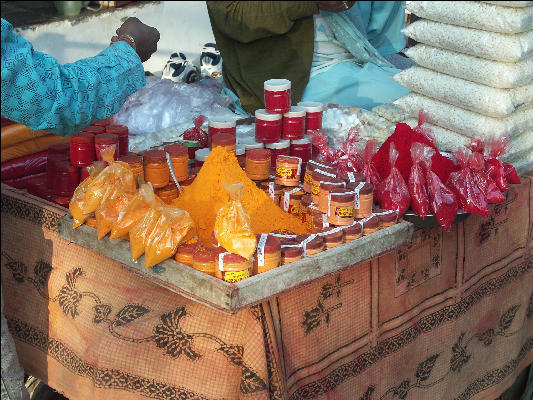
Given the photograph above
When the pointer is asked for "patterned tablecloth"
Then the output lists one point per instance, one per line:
(449, 317)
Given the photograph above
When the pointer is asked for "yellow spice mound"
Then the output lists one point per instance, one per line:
(206, 195)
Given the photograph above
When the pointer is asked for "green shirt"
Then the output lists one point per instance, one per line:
(260, 40)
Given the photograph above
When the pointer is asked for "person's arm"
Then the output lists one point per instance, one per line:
(42, 94)
(246, 21)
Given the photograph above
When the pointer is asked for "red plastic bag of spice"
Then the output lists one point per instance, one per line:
(417, 181)
(494, 167)
(369, 169)
(394, 192)
(420, 128)
(197, 133)
(442, 201)
(321, 152)
(23, 166)
(469, 196)
(510, 174)
(482, 179)
(346, 157)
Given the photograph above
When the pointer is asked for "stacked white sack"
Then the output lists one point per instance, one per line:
(475, 71)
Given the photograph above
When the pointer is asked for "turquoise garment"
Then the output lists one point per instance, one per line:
(348, 65)
(63, 99)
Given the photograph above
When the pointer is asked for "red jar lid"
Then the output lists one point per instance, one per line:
(223, 139)
(187, 249)
(387, 216)
(334, 236)
(103, 122)
(106, 138)
(326, 167)
(293, 251)
(188, 181)
(355, 229)
(176, 150)
(334, 183)
(234, 259)
(169, 189)
(314, 244)
(258, 154)
(155, 156)
(355, 178)
(117, 129)
(372, 222)
(131, 159)
(82, 137)
(342, 195)
(59, 148)
(204, 254)
(366, 189)
(288, 160)
(319, 176)
(65, 166)
(54, 157)
(272, 245)
(94, 129)
(265, 185)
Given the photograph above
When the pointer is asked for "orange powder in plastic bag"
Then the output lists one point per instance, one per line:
(169, 232)
(141, 232)
(78, 198)
(233, 227)
(109, 209)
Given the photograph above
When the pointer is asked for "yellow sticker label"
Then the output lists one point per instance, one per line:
(308, 178)
(316, 189)
(236, 276)
(284, 172)
(344, 212)
(294, 210)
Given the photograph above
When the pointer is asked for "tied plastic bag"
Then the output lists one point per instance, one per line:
(141, 232)
(469, 196)
(169, 232)
(109, 209)
(197, 133)
(319, 140)
(369, 169)
(510, 174)
(442, 201)
(394, 192)
(417, 181)
(117, 173)
(494, 167)
(77, 202)
(135, 211)
(482, 179)
(233, 227)
(424, 130)
(346, 158)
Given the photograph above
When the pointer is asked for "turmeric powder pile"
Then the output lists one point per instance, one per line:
(206, 195)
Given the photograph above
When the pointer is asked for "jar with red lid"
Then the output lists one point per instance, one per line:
(290, 201)
(60, 148)
(268, 127)
(387, 218)
(240, 153)
(301, 148)
(168, 193)
(281, 148)
(313, 114)
(37, 186)
(97, 130)
(135, 162)
(225, 140)
(220, 125)
(332, 237)
(156, 168)
(370, 224)
(277, 95)
(288, 170)
(67, 179)
(185, 253)
(294, 123)
(258, 164)
(200, 157)
(103, 122)
(323, 194)
(310, 167)
(352, 232)
(179, 156)
(312, 213)
(312, 244)
(122, 132)
(364, 198)
(320, 221)
(51, 160)
(272, 190)
(319, 176)
(82, 150)
(103, 141)
(232, 267)
(291, 251)
(305, 202)
(192, 147)
(253, 145)
(204, 259)
(341, 207)
(268, 253)
(352, 178)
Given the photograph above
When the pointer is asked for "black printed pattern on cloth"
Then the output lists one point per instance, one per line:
(31, 213)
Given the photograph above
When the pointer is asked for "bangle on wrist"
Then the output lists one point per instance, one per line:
(128, 39)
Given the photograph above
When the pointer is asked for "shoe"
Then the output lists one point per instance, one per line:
(179, 69)
(210, 61)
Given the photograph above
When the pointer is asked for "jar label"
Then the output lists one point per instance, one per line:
(235, 276)
(344, 212)
(293, 209)
(287, 199)
(357, 203)
(351, 177)
(261, 250)
(325, 222)
(285, 172)
(315, 189)
(308, 178)
(271, 190)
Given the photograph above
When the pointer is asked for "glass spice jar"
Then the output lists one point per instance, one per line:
(273, 190)
(268, 253)
(220, 125)
(370, 224)
(294, 124)
(185, 253)
(364, 196)
(67, 179)
(168, 193)
(82, 151)
(387, 218)
(311, 244)
(204, 259)
(320, 176)
(301, 148)
(290, 201)
(332, 237)
(254, 145)
(156, 168)
(103, 141)
(179, 157)
(310, 167)
(281, 148)
(341, 207)
(258, 164)
(320, 221)
(313, 116)
(353, 232)
(232, 267)
(291, 251)
(268, 127)
(277, 95)
(323, 194)
(123, 137)
(288, 170)
(225, 140)
(312, 212)
(135, 162)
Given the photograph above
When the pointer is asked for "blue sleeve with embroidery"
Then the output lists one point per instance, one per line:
(63, 99)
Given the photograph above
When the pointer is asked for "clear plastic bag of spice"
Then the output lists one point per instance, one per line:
(77, 202)
(233, 227)
(108, 210)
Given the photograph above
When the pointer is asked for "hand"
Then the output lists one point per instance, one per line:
(335, 6)
(146, 37)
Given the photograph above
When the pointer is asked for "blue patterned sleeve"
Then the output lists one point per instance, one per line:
(63, 99)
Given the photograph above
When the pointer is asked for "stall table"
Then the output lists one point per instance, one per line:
(447, 316)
